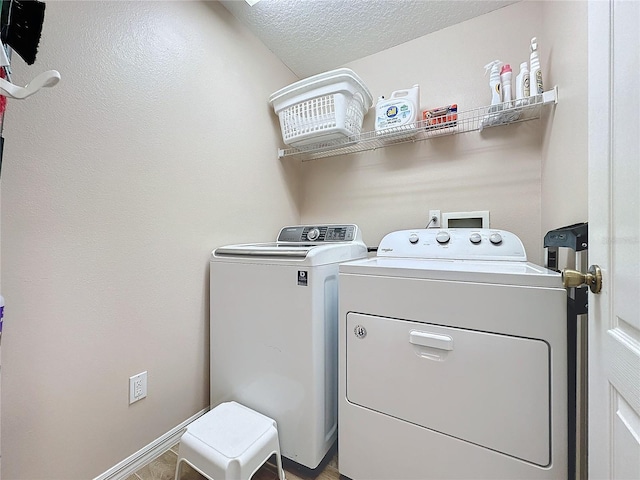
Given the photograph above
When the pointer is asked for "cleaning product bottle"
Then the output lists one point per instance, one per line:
(496, 94)
(522, 84)
(494, 81)
(398, 113)
(535, 74)
(505, 83)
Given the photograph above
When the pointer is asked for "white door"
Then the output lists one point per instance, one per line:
(614, 239)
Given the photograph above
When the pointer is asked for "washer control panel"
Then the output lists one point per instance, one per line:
(319, 234)
(453, 243)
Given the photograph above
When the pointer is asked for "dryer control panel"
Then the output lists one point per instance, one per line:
(453, 243)
(319, 233)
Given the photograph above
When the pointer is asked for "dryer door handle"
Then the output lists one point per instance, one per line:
(433, 340)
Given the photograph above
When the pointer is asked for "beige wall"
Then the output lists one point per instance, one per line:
(500, 169)
(156, 146)
(564, 161)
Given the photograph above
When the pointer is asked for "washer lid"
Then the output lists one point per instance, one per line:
(272, 249)
(287, 253)
(313, 244)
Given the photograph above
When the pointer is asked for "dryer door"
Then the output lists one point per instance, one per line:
(488, 389)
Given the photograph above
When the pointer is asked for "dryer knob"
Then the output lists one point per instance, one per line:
(313, 234)
(475, 238)
(495, 238)
(443, 238)
(413, 238)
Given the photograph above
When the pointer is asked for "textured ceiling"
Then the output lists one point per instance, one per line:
(313, 36)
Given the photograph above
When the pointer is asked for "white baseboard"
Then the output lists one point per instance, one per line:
(146, 454)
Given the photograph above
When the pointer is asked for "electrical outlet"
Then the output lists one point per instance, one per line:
(137, 387)
(434, 214)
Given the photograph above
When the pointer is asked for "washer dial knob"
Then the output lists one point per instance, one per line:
(413, 238)
(495, 238)
(313, 234)
(442, 238)
(475, 238)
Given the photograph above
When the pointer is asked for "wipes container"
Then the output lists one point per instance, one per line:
(441, 117)
(323, 110)
(399, 112)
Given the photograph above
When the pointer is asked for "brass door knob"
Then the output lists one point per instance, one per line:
(593, 278)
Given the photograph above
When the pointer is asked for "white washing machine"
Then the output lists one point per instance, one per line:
(452, 360)
(274, 321)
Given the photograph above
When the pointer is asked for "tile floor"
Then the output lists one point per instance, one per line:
(164, 468)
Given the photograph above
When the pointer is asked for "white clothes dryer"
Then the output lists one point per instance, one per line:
(274, 321)
(452, 360)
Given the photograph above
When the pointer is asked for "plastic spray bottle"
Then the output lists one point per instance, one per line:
(494, 81)
(536, 72)
(496, 94)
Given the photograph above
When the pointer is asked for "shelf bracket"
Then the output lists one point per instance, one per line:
(550, 96)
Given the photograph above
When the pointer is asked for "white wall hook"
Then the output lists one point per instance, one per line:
(46, 79)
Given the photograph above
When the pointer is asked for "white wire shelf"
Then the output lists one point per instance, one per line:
(473, 120)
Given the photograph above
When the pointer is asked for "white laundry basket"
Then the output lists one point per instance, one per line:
(324, 110)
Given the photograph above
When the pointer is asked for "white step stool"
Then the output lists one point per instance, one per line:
(230, 442)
